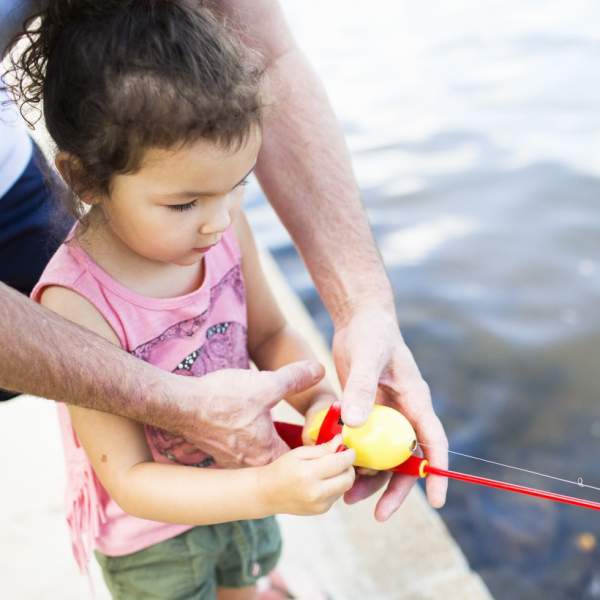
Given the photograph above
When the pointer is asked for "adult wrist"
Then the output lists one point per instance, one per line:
(169, 403)
(351, 299)
(381, 302)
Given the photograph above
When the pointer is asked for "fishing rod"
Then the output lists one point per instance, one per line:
(420, 467)
(387, 442)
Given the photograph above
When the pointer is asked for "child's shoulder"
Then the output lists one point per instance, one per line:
(60, 289)
(71, 305)
(62, 269)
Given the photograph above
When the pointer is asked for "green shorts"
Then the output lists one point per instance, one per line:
(192, 565)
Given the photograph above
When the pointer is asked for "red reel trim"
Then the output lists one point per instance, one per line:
(332, 424)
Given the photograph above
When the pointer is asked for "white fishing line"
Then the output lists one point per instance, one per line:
(578, 483)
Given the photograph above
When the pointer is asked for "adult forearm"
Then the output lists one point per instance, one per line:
(45, 355)
(304, 167)
(306, 172)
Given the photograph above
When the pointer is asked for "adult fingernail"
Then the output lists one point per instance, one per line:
(439, 501)
(355, 414)
(381, 516)
(314, 369)
(387, 512)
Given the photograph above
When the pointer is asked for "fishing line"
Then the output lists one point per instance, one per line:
(579, 483)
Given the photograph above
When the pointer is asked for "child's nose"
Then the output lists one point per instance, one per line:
(218, 221)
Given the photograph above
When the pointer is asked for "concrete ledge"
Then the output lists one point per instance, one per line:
(35, 551)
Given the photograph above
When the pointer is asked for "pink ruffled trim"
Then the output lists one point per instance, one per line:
(85, 509)
(85, 497)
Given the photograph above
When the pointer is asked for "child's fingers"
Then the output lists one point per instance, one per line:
(319, 450)
(334, 487)
(332, 465)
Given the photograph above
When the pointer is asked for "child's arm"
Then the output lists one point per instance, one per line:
(272, 343)
(304, 481)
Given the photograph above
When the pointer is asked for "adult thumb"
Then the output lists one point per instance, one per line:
(292, 379)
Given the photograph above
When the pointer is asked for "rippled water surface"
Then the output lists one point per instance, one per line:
(474, 129)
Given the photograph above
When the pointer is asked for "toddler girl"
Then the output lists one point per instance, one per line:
(155, 110)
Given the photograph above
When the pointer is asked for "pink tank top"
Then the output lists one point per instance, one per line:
(190, 335)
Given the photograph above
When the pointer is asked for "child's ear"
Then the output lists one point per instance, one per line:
(69, 168)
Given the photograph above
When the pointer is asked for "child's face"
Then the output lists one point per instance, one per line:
(179, 203)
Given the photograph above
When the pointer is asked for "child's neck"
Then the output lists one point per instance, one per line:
(138, 273)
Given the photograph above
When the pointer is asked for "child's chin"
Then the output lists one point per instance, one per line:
(188, 260)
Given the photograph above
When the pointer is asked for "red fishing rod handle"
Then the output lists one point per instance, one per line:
(290, 433)
(415, 466)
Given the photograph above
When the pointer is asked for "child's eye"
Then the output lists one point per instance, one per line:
(182, 207)
(243, 183)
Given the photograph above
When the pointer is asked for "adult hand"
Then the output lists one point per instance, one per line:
(226, 412)
(375, 365)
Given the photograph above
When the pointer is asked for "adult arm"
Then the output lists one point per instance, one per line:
(305, 171)
(46, 355)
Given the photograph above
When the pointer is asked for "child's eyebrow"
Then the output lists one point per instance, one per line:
(194, 194)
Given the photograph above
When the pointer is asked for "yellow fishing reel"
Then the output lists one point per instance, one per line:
(384, 441)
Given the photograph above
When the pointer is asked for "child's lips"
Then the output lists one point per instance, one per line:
(205, 248)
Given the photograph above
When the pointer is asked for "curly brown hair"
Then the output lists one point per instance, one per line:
(120, 76)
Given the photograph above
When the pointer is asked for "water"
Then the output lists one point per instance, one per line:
(474, 134)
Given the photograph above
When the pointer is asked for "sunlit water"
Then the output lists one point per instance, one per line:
(474, 129)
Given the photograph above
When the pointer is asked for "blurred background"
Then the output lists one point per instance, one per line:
(474, 134)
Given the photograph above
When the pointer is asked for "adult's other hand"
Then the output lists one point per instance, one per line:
(226, 413)
(375, 365)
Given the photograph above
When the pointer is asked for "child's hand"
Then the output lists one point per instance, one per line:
(309, 479)
(323, 403)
